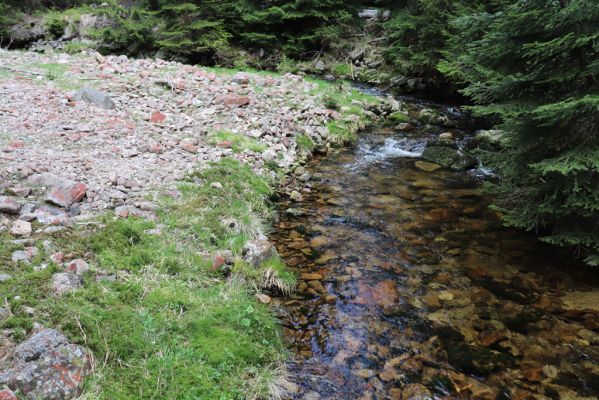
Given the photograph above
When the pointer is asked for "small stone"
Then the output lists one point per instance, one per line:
(216, 185)
(240, 78)
(269, 155)
(416, 391)
(445, 295)
(57, 258)
(263, 298)
(427, 166)
(147, 206)
(7, 394)
(105, 278)
(4, 277)
(296, 196)
(234, 100)
(157, 117)
(66, 194)
(388, 375)
(256, 252)
(78, 267)
(218, 262)
(446, 136)
(21, 228)
(91, 95)
(9, 205)
(64, 282)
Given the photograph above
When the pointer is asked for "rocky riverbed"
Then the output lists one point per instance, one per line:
(411, 289)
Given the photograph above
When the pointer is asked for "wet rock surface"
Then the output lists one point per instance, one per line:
(410, 288)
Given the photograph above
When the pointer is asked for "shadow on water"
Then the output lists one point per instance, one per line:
(410, 288)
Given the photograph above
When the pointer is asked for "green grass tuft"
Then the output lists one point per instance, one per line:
(239, 142)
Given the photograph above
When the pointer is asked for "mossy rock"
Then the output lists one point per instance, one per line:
(399, 116)
(449, 157)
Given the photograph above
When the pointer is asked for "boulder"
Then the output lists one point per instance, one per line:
(47, 366)
(91, 95)
(256, 252)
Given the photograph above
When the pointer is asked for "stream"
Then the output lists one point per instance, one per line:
(410, 287)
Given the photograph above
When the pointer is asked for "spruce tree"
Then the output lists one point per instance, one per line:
(535, 65)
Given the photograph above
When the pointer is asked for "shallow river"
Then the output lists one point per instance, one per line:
(410, 288)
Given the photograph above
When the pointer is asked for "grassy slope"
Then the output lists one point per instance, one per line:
(168, 326)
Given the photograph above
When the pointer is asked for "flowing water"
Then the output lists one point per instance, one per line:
(410, 288)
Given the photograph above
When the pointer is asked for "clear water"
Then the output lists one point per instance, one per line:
(410, 288)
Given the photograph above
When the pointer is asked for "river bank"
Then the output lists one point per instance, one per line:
(135, 197)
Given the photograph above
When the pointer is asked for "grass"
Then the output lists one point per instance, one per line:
(168, 326)
(305, 142)
(239, 142)
(351, 105)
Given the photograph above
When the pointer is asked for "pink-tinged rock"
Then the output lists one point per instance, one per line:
(21, 228)
(218, 262)
(129, 211)
(67, 194)
(9, 205)
(241, 78)
(227, 144)
(17, 144)
(7, 394)
(179, 83)
(234, 100)
(77, 267)
(189, 146)
(211, 77)
(155, 148)
(157, 117)
(57, 258)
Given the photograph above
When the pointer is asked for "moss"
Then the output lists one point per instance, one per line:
(305, 142)
(239, 142)
(341, 70)
(399, 116)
